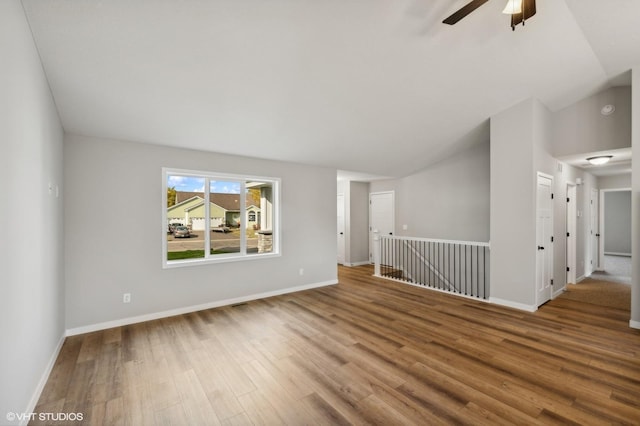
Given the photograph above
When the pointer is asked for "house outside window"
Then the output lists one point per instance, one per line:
(210, 207)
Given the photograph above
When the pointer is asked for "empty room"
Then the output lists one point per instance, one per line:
(283, 212)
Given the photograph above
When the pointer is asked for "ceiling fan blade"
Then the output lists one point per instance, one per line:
(528, 10)
(464, 11)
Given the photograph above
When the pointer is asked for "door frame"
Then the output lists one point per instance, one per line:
(594, 232)
(393, 218)
(548, 252)
(341, 235)
(571, 229)
(602, 230)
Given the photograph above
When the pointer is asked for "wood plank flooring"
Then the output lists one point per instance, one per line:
(365, 351)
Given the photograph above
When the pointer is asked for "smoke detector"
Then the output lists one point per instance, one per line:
(608, 109)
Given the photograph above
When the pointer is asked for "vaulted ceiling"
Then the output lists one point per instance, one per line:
(377, 86)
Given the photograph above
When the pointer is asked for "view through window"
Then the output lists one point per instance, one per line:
(212, 217)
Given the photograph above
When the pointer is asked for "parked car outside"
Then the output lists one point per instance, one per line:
(173, 226)
(181, 232)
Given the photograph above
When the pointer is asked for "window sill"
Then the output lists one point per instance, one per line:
(217, 259)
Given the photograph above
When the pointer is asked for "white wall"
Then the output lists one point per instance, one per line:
(615, 181)
(529, 130)
(31, 255)
(109, 254)
(521, 141)
(513, 221)
(545, 163)
(635, 200)
(581, 128)
(448, 200)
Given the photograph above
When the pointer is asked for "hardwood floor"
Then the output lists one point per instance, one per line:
(366, 351)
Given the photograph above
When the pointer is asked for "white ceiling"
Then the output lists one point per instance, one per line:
(375, 86)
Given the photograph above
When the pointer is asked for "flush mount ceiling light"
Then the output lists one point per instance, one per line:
(599, 160)
(608, 109)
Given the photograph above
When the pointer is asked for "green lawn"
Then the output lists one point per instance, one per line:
(189, 254)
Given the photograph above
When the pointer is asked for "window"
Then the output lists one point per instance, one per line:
(202, 216)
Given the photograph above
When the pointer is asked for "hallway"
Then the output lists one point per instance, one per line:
(616, 269)
(610, 288)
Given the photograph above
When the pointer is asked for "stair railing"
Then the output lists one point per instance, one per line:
(457, 267)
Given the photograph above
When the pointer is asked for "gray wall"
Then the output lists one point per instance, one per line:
(513, 222)
(113, 214)
(358, 223)
(635, 200)
(615, 182)
(521, 140)
(617, 222)
(581, 127)
(31, 255)
(448, 200)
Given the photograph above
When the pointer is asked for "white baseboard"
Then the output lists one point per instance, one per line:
(580, 278)
(194, 308)
(515, 305)
(558, 292)
(43, 380)
(365, 262)
(634, 324)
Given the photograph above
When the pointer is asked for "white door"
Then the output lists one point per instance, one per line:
(544, 238)
(594, 235)
(571, 234)
(381, 216)
(341, 241)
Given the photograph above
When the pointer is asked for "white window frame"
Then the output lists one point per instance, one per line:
(228, 257)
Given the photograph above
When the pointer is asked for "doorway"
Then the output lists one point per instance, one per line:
(615, 236)
(544, 239)
(341, 229)
(571, 232)
(594, 235)
(381, 216)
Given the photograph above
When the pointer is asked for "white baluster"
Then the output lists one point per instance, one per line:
(376, 252)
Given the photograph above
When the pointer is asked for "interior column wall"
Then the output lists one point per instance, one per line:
(512, 213)
(521, 142)
(635, 199)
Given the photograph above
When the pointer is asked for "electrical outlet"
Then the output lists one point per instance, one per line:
(301, 271)
(126, 298)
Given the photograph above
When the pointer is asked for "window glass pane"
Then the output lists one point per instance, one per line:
(237, 221)
(224, 197)
(185, 201)
(259, 217)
